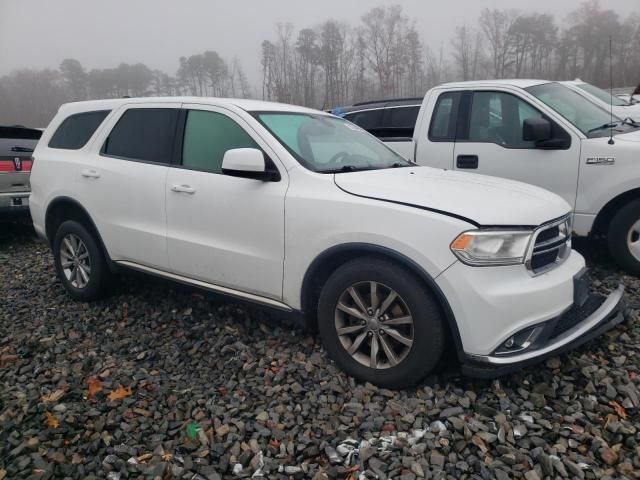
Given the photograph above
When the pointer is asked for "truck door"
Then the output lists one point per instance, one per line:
(490, 141)
(436, 150)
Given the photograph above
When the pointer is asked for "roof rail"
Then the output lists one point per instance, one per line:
(388, 100)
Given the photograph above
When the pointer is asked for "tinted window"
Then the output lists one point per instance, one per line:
(76, 130)
(497, 117)
(20, 133)
(207, 136)
(443, 121)
(143, 134)
(367, 119)
(402, 117)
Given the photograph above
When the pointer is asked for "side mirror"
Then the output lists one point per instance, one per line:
(536, 130)
(248, 163)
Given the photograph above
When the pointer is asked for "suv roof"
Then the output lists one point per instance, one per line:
(396, 102)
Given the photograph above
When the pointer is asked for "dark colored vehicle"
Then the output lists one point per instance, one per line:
(386, 119)
(16, 146)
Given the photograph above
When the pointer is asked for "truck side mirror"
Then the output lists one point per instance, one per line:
(536, 130)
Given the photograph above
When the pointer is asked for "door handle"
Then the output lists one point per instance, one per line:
(90, 174)
(467, 161)
(183, 189)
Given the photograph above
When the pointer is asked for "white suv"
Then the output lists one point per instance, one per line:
(307, 213)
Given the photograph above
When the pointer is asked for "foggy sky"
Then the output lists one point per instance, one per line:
(40, 33)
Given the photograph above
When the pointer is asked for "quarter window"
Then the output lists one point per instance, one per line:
(443, 121)
(208, 136)
(76, 130)
(498, 117)
(402, 117)
(368, 119)
(144, 134)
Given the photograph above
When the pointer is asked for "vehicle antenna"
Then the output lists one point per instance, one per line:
(611, 142)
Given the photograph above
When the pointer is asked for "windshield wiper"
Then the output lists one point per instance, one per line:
(604, 127)
(400, 165)
(631, 121)
(345, 168)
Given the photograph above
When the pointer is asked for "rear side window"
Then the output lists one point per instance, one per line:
(144, 134)
(368, 119)
(208, 136)
(402, 117)
(76, 130)
(443, 121)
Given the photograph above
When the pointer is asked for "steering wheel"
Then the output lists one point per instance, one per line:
(338, 156)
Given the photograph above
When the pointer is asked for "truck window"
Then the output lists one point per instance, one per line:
(497, 117)
(443, 121)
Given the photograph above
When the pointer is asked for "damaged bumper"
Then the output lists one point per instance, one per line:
(590, 316)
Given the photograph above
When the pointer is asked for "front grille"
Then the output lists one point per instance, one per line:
(552, 244)
(576, 314)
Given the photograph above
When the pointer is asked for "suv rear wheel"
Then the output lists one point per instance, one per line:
(380, 323)
(80, 262)
(624, 237)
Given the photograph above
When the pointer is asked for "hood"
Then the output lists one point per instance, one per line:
(478, 199)
(629, 137)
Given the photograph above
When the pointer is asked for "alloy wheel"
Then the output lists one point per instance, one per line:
(75, 261)
(633, 240)
(374, 325)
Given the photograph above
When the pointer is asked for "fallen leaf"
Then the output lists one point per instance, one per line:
(166, 457)
(54, 396)
(52, 421)
(622, 413)
(120, 393)
(610, 417)
(95, 386)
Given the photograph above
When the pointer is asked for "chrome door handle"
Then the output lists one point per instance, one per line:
(90, 174)
(183, 189)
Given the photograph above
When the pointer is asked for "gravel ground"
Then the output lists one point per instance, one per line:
(161, 381)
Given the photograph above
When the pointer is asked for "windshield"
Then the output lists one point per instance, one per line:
(602, 95)
(591, 119)
(328, 144)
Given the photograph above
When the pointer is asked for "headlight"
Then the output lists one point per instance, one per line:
(491, 247)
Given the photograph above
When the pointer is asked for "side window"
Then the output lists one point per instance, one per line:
(76, 130)
(207, 136)
(498, 117)
(367, 119)
(443, 120)
(144, 134)
(402, 117)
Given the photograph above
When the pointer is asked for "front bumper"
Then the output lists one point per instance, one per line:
(581, 329)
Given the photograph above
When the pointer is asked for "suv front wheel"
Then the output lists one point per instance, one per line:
(380, 323)
(79, 262)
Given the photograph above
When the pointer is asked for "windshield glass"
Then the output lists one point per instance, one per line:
(602, 95)
(592, 120)
(328, 144)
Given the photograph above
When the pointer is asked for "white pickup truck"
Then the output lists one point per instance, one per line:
(534, 131)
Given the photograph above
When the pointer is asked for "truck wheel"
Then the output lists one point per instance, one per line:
(624, 237)
(380, 323)
(80, 262)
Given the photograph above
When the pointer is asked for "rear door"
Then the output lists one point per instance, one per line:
(435, 136)
(16, 147)
(122, 181)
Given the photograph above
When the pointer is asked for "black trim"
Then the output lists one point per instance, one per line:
(474, 368)
(112, 265)
(307, 281)
(435, 210)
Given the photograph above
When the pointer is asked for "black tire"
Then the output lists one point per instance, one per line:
(100, 276)
(620, 229)
(428, 324)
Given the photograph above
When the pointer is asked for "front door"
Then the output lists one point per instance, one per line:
(492, 143)
(224, 230)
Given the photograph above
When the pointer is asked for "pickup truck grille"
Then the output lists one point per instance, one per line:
(551, 245)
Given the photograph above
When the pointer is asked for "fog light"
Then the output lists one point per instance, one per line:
(520, 341)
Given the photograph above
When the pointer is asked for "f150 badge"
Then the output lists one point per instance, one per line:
(601, 160)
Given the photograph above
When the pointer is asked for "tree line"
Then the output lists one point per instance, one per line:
(337, 63)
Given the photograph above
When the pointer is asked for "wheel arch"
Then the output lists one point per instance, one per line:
(65, 208)
(328, 261)
(606, 213)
